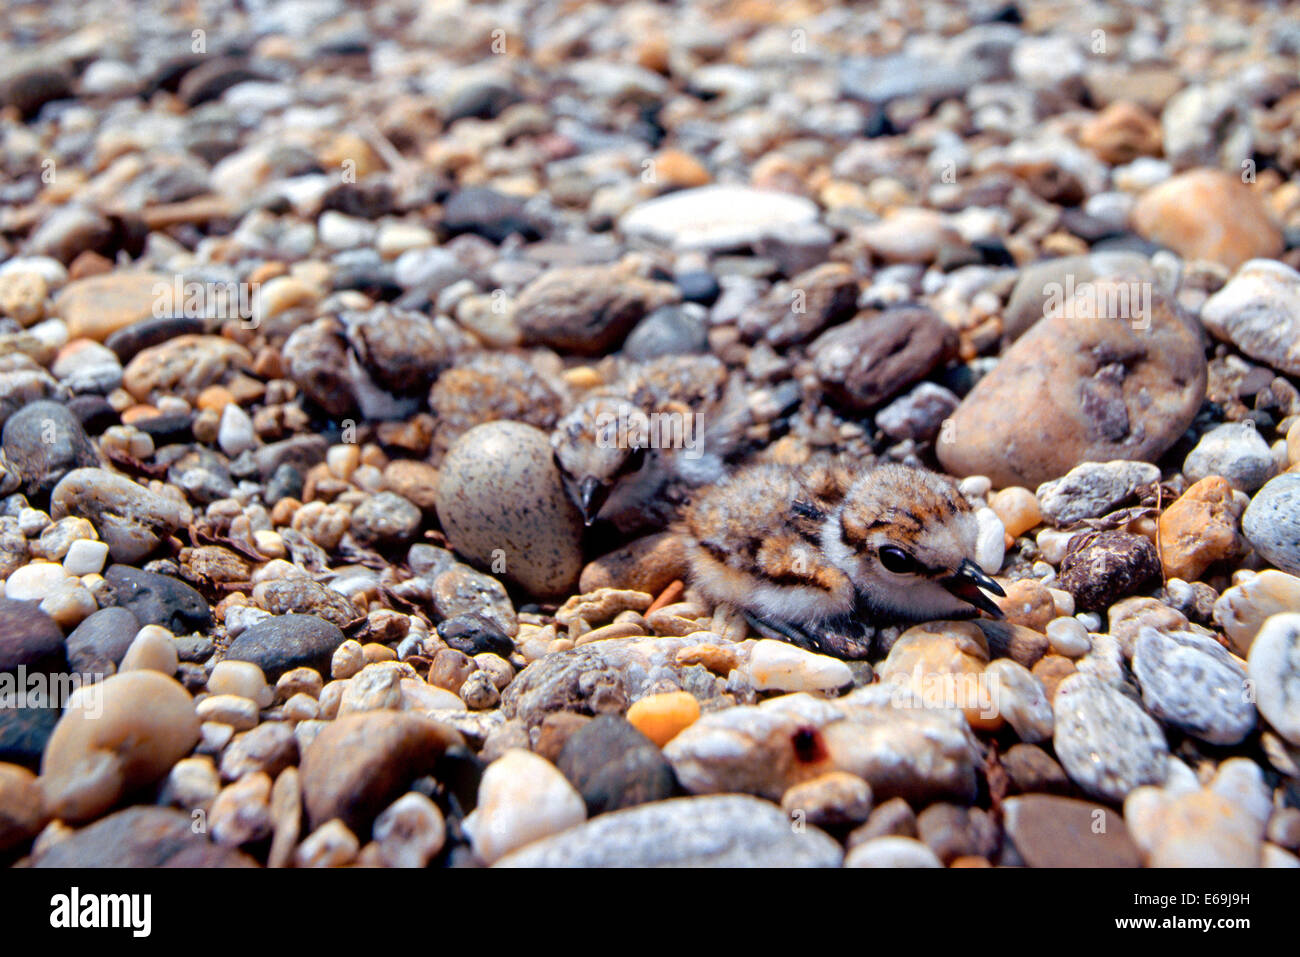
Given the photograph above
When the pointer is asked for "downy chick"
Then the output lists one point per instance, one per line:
(815, 556)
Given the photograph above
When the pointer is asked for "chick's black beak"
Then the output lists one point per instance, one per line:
(591, 496)
(966, 583)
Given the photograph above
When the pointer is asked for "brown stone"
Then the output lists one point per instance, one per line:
(1121, 133)
(1050, 831)
(588, 309)
(184, 367)
(360, 763)
(649, 564)
(1051, 670)
(874, 357)
(417, 482)
(793, 311)
(22, 806)
(141, 836)
(1081, 386)
(98, 306)
(1209, 214)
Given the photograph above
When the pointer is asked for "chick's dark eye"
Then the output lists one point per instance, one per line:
(896, 560)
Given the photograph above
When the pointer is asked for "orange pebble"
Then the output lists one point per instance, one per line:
(661, 717)
(138, 413)
(215, 397)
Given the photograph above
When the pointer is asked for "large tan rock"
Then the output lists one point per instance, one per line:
(1092, 381)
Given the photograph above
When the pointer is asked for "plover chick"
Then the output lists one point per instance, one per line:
(818, 556)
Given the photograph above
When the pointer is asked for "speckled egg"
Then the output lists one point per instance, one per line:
(502, 506)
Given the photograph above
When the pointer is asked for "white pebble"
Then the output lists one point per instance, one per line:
(1068, 637)
(521, 798)
(238, 712)
(35, 581)
(410, 832)
(330, 845)
(153, 649)
(242, 678)
(85, 557)
(892, 852)
(780, 666)
(235, 434)
(991, 543)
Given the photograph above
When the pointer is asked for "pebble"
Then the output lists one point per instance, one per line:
(269, 748)
(1101, 567)
(614, 765)
(501, 500)
(1256, 311)
(919, 414)
(725, 830)
(1107, 744)
(33, 582)
(1044, 283)
(893, 853)
(1092, 489)
(780, 666)
(1220, 825)
(1020, 699)
(522, 798)
(1236, 451)
(239, 713)
(129, 518)
(1068, 637)
(360, 763)
(99, 643)
(154, 649)
(1200, 528)
(241, 813)
(1017, 509)
(108, 743)
(1050, 831)
(140, 836)
(158, 599)
(1191, 683)
(85, 557)
(98, 306)
(1271, 522)
(285, 642)
(410, 832)
(1208, 214)
(473, 634)
(716, 217)
(44, 441)
(1091, 388)
(241, 678)
(461, 590)
(883, 736)
(833, 800)
(661, 717)
(668, 330)
(22, 807)
(1274, 668)
(1242, 610)
(28, 637)
(588, 309)
(870, 359)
